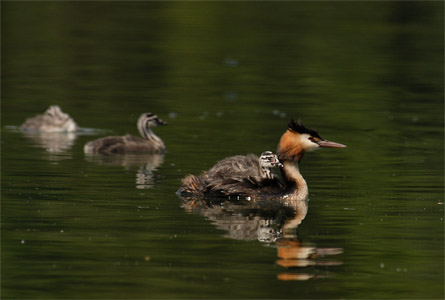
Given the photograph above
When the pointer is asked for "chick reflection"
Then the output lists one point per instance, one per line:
(264, 220)
(273, 223)
(55, 143)
(147, 164)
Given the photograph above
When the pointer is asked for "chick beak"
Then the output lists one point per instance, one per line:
(329, 144)
(161, 122)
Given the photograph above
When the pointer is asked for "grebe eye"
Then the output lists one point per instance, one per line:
(313, 139)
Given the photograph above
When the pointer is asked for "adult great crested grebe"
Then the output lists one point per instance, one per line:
(150, 143)
(247, 176)
(52, 120)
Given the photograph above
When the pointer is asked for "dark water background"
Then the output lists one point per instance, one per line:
(227, 76)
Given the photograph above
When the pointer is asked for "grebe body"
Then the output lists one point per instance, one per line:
(149, 143)
(52, 120)
(250, 176)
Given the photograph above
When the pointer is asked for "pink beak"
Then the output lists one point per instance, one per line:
(330, 144)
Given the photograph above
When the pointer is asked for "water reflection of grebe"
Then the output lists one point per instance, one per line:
(263, 220)
(295, 255)
(146, 164)
(53, 142)
(150, 143)
(241, 176)
(271, 222)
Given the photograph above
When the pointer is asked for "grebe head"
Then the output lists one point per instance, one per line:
(148, 120)
(299, 139)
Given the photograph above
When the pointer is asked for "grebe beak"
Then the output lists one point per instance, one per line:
(330, 144)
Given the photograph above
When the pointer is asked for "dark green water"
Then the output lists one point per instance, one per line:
(227, 77)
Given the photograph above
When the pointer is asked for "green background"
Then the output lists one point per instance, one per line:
(227, 76)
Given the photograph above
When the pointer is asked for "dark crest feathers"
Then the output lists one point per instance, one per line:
(300, 128)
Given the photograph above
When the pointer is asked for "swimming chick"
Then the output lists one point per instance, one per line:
(150, 143)
(247, 176)
(52, 120)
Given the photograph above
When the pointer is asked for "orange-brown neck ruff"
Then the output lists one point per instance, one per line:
(290, 152)
(290, 148)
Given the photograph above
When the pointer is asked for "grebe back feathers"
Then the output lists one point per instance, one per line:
(52, 120)
(239, 176)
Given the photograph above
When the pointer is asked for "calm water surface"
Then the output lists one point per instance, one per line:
(227, 77)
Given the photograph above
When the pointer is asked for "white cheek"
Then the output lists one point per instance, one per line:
(307, 145)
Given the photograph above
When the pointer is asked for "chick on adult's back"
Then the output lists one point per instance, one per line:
(149, 143)
(240, 175)
(244, 176)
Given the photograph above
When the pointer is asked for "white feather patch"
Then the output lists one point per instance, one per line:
(307, 144)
